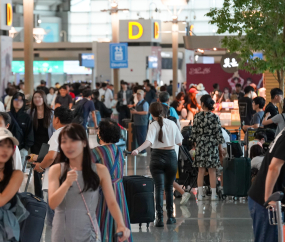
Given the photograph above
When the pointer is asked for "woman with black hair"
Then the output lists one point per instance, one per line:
(41, 115)
(73, 190)
(163, 134)
(10, 179)
(104, 112)
(256, 156)
(110, 155)
(208, 138)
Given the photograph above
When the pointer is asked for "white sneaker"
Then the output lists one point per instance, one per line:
(201, 198)
(185, 198)
(215, 198)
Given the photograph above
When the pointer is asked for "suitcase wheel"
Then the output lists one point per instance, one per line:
(147, 225)
(224, 197)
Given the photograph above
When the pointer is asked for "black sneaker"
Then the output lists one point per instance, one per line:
(159, 223)
(171, 220)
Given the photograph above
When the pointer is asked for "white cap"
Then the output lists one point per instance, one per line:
(6, 134)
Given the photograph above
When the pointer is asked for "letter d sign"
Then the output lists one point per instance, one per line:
(9, 14)
(140, 28)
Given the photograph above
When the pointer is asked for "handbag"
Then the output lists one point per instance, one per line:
(88, 212)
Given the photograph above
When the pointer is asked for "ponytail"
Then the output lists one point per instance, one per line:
(157, 110)
(160, 134)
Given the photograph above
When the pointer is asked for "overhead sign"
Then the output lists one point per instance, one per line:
(230, 62)
(9, 14)
(156, 30)
(119, 55)
(87, 60)
(141, 30)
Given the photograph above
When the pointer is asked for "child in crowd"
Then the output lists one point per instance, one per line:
(5, 121)
(260, 139)
(256, 156)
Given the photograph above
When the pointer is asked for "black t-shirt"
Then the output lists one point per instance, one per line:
(245, 110)
(273, 110)
(276, 150)
(175, 105)
(63, 101)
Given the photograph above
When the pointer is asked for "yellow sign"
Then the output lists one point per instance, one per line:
(9, 14)
(140, 30)
(156, 30)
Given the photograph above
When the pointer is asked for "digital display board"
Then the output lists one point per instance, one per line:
(87, 60)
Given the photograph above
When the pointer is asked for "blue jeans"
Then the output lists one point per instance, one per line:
(263, 231)
(140, 134)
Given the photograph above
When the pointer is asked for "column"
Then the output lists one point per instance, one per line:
(115, 39)
(175, 57)
(28, 45)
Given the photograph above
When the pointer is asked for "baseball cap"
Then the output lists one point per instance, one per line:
(6, 134)
(140, 91)
(193, 90)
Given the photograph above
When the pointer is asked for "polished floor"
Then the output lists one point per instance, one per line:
(196, 221)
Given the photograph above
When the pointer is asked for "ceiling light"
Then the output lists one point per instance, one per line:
(215, 49)
(114, 4)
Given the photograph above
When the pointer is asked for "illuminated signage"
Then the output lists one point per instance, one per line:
(131, 32)
(9, 14)
(156, 30)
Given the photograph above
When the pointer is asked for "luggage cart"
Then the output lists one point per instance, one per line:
(275, 215)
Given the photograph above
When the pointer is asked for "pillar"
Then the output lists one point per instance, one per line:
(174, 58)
(28, 45)
(115, 39)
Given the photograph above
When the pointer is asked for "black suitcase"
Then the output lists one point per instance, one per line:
(31, 229)
(139, 192)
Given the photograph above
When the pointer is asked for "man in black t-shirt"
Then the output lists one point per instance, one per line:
(64, 99)
(245, 106)
(270, 179)
(276, 97)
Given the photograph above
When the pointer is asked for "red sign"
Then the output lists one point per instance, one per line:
(209, 74)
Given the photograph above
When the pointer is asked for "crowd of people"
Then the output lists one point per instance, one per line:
(77, 181)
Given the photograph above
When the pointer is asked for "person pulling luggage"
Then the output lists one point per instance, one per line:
(269, 179)
(162, 136)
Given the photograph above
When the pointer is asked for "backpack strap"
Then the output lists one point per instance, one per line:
(283, 116)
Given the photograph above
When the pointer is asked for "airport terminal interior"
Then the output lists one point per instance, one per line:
(142, 120)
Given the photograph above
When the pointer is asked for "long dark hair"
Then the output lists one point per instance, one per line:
(192, 99)
(156, 109)
(90, 178)
(47, 111)
(8, 169)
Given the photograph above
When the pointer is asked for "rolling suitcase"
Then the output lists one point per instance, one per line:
(139, 192)
(31, 229)
(237, 175)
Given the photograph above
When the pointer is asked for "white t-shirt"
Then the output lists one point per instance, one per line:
(17, 160)
(256, 162)
(226, 138)
(108, 97)
(2, 108)
(171, 134)
(251, 143)
(53, 146)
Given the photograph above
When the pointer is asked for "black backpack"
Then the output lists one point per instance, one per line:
(78, 112)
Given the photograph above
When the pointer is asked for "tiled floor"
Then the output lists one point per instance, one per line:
(197, 221)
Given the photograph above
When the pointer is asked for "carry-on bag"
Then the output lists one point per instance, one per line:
(31, 229)
(275, 213)
(236, 174)
(139, 192)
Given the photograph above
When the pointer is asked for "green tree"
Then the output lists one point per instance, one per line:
(254, 25)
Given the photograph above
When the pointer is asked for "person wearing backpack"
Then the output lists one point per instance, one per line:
(84, 107)
(22, 125)
(278, 119)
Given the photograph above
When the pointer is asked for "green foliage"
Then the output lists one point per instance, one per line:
(251, 26)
